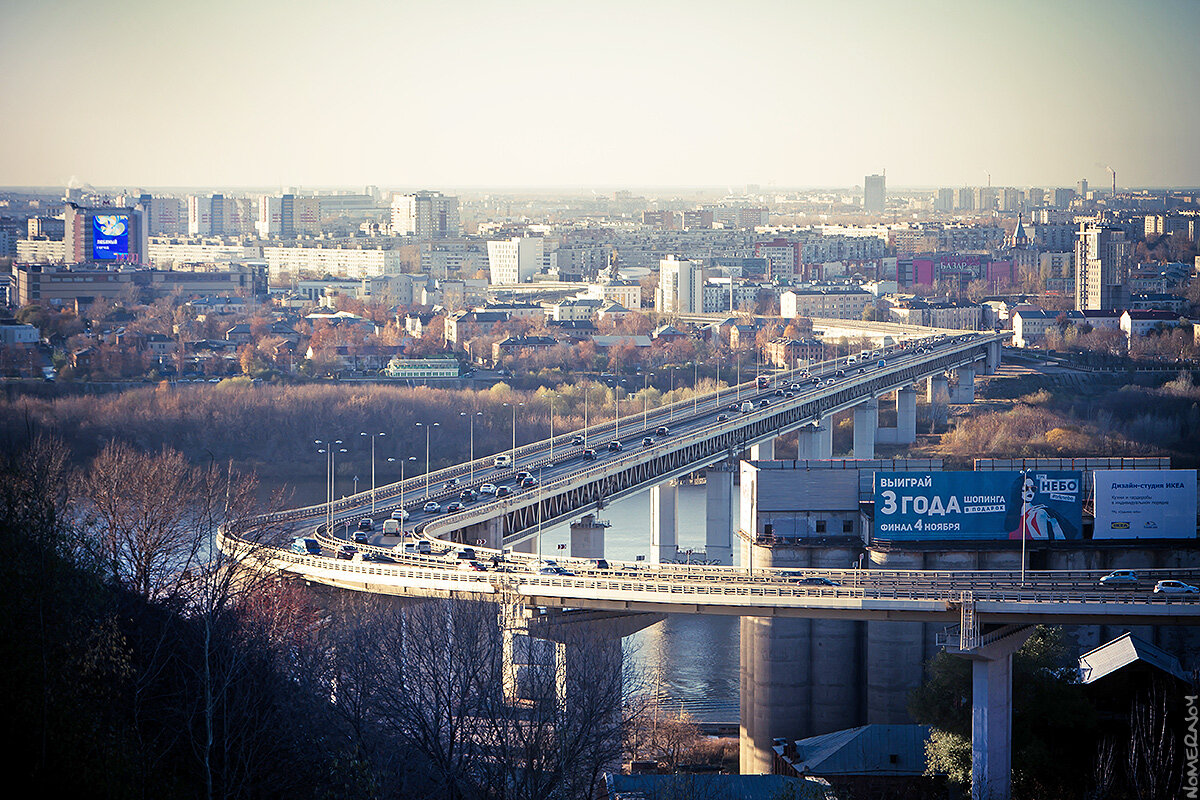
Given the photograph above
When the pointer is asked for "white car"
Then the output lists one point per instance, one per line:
(400, 514)
(487, 488)
(1120, 577)
(1175, 587)
(432, 507)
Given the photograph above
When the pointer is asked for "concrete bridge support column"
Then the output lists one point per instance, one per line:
(763, 451)
(965, 386)
(991, 715)
(527, 546)
(906, 415)
(823, 444)
(587, 538)
(938, 396)
(486, 534)
(866, 421)
(992, 362)
(663, 544)
(718, 523)
(776, 678)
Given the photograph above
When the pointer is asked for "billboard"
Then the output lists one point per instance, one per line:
(110, 236)
(978, 505)
(1145, 504)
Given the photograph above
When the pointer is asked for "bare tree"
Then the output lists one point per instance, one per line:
(1152, 763)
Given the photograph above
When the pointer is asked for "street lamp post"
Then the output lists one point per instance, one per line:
(403, 461)
(646, 401)
(585, 414)
(330, 450)
(471, 418)
(372, 435)
(427, 428)
(552, 396)
(514, 432)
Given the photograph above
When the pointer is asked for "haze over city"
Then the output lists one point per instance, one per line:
(607, 94)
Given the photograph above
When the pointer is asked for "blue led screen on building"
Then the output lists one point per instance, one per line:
(110, 236)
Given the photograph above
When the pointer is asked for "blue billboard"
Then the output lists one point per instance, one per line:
(110, 237)
(1047, 505)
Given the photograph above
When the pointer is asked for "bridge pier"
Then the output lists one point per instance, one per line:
(866, 422)
(489, 533)
(587, 537)
(763, 451)
(718, 523)
(992, 362)
(963, 389)
(938, 396)
(905, 431)
(664, 547)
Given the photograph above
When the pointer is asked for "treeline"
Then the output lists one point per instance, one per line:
(272, 427)
(1129, 421)
(140, 661)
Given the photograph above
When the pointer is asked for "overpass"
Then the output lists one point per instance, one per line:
(987, 615)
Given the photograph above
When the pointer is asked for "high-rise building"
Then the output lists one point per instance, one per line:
(944, 200)
(1010, 199)
(164, 215)
(1062, 197)
(1102, 255)
(104, 234)
(680, 286)
(966, 199)
(426, 215)
(217, 215)
(1081, 189)
(288, 215)
(1037, 197)
(874, 193)
(515, 260)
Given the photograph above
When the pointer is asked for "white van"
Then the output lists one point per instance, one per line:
(747, 407)
(391, 527)
(502, 462)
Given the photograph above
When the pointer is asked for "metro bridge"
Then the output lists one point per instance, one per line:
(988, 614)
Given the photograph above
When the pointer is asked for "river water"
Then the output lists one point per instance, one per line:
(690, 661)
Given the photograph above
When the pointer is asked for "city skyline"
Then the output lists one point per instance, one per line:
(644, 95)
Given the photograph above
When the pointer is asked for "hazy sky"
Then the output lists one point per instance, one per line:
(611, 93)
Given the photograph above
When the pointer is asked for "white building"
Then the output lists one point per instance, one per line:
(164, 215)
(680, 286)
(825, 302)
(516, 260)
(1102, 257)
(220, 215)
(165, 252)
(339, 262)
(627, 293)
(41, 251)
(426, 215)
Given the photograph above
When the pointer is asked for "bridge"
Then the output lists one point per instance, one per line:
(987, 615)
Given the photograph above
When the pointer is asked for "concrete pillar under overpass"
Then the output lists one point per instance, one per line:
(489, 533)
(963, 389)
(905, 431)
(938, 395)
(587, 537)
(866, 422)
(763, 451)
(718, 523)
(527, 545)
(992, 362)
(991, 715)
(815, 441)
(663, 544)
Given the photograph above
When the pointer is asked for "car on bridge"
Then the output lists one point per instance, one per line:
(306, 547)
(522, 475)
(503, 491)
(453, 507)
(468, 495)
(1120, 577)
(472, 566)
(360, 537)
(815, 580)
(764, 403)
(527, 482)
(450, 484)
(614, 446)
(647, 441)
(589, 454)
(722, 417)
(747, 407)
(502, 462)
(400, 514)
(375, 558)
(577, 439)
(366, 524)
(346, 551)
(662, 430)
(487, 488)
(1175, 587)
(432, 507)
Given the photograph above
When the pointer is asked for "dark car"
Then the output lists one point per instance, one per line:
(503, 491)
(452, 507)
(734, 406)
(577, 439)
(527, 482)
(841, 373)
(614, 446)
(647, 442)
(815, 580)
(722, 417)
(467, 495)
(522, 475)
(662, 430)
(366, 524)
(764, 403)
(779, 392)
(589, 455)
(378, 558)
(450, 484)
(360, 537)
(346, 551)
